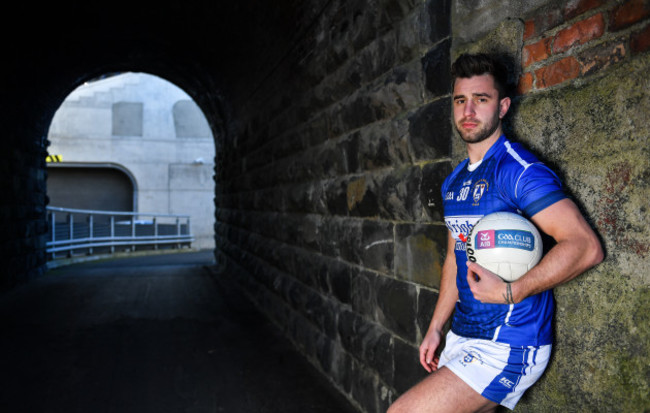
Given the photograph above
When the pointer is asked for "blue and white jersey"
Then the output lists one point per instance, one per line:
(510, 179)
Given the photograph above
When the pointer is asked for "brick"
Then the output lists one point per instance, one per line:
(558, 72)
(601, 57)
(579, 33)
(574, 8)
(640, 41)
(536, 52)
(548, 20)
(529, 29)
(525, 84)
(628, 13)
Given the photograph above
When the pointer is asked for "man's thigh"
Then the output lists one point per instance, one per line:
(440, 392)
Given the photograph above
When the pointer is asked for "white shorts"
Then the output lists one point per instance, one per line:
(497, 371)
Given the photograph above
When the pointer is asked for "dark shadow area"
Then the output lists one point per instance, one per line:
(149, 334)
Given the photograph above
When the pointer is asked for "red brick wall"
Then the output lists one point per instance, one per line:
(580, 39)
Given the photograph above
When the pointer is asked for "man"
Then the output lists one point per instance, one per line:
(500, 338)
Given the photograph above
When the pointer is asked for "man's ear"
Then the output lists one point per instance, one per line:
(504, 105)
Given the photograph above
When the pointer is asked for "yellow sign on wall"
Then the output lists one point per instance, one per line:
(54, 158)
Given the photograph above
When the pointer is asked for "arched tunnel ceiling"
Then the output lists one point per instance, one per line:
(226, 45)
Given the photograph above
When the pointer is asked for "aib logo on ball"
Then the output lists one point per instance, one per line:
(485, 239)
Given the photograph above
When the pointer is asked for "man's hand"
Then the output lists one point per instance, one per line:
(487, 287)
(428, 357)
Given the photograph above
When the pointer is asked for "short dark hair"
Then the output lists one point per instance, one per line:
(469, 65)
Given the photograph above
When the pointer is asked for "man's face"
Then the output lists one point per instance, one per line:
(477, 108)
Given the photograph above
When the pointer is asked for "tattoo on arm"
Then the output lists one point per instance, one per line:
(508, 295)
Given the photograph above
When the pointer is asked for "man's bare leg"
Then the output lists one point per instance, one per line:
(442, 392)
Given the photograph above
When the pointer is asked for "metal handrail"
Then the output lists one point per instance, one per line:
(98, 231)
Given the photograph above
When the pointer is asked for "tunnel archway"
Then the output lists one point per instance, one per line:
(143, 124)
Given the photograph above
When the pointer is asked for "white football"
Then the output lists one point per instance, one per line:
(505, 243)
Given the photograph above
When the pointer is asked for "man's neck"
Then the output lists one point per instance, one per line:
(477, 151)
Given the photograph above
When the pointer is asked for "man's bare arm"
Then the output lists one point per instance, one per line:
(577, 250)
(444, 308)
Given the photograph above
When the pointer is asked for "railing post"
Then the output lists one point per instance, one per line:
(112, 234)
(70, 231)
(188, 228)
(178, 232)
(132, 232)
(155, 233)
(90, 232)
(53, 223)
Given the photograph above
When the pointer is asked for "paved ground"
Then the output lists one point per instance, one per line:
(152, 334)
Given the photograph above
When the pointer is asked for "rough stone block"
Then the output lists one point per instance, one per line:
(376, 246)
(382, 145)
(363, 294)
(399, 195)
(365, 388)
(420, 252)
(430, 130)
(336, 196)
(350, 240)
(408, 38)
(435, 65)
(362, 196)
(367, 342)
(397, 306)
(408, 370)
(439, 13)
(339, 276)
(330, 231)
(402, 87)
(427, 300)
(433, 175)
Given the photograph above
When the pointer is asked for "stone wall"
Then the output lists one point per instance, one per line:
(328, 205)
(22, 239)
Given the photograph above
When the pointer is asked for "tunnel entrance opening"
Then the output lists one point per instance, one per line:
(133, 138)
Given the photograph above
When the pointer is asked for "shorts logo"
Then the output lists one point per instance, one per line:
(506, 382)
(471, 357)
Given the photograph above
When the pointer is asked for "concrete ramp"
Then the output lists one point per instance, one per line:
(148, 334)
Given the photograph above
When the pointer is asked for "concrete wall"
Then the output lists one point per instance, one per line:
(154, 130)
(328, 205)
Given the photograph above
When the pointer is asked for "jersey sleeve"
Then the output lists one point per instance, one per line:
(532, 187)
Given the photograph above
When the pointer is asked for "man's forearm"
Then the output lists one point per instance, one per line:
(577, 250)
(565, 261)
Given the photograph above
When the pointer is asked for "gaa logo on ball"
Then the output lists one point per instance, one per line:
(505, 243)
